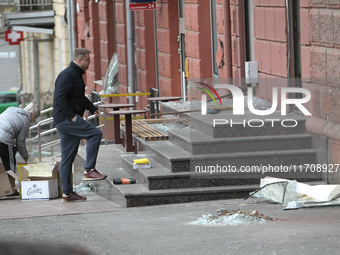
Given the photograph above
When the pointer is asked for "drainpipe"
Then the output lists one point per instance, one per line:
(130, 45)
(36, 73)
(288, 41)
(227, 39)
(70, 12)
(289, 48)
(72, 24)
(156, 49)
(21, 76)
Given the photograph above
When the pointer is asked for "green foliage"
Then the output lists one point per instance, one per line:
(15, 8)
(46, 106)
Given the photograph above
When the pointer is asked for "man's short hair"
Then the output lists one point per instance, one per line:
(33, 108)
(79, 53)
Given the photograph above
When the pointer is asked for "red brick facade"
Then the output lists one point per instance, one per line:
(168, 57)
(319, 37)
(320, 50)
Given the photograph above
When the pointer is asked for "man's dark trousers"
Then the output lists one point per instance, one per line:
(70, 134)
(7, 155)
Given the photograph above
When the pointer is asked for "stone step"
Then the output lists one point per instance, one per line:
(247, 125)
(129, 195)
(158, 177)
(166, 154)
(132, 195)
(196, 142)
(177, 159)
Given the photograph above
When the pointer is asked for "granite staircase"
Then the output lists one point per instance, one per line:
(179, 165)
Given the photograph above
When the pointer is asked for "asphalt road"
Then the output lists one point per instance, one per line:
(102, 227)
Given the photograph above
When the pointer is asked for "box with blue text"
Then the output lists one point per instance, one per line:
(39, 190)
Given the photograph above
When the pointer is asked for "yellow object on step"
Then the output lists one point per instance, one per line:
(141, 161)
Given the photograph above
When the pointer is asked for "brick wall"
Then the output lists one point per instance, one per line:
(198, 38)
(320, 50)
(88, 37)
(106, 32)
(324, 57)
(121, 48)
(321, 55)
(219, 25)
(270, 30)
(238, 38)
(145, 54)
(168, 57)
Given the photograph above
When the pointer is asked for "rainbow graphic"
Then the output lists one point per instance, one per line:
(208, 92)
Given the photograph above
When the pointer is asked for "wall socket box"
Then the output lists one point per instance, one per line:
(252, 72)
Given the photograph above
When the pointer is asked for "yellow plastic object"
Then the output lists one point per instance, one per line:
(141, 161)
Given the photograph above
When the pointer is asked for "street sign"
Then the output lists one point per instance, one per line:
(14, 37)
(142, 6)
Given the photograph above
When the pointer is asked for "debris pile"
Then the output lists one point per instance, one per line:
(84, 189)
(293, 195)
(224, 217)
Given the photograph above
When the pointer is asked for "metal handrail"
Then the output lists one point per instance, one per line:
(46, 145)
(46, 110)
(126, 94)
(52, 143)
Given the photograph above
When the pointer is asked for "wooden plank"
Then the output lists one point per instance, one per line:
(153, 133)
(147, 132)
(184, 120)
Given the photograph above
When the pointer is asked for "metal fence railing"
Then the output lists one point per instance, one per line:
(45, 127)
(31, 5)
(7, 2)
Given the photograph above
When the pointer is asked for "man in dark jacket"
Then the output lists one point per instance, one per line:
(69, 105)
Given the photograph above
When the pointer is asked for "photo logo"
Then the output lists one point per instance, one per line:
(204, 97)
(238, 100)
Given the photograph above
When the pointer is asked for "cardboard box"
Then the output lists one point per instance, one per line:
(6, 183)
(32, 170)
(2, 169)
(12, 178)
(39, 190)
(23, 172)
(40, 172)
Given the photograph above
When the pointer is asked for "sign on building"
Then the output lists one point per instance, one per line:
(14, 37)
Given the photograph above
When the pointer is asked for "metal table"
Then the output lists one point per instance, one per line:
(115, 107)
(156, 100)
(128, 126)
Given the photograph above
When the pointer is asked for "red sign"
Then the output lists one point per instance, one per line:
(14, 37)
(142, 6)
